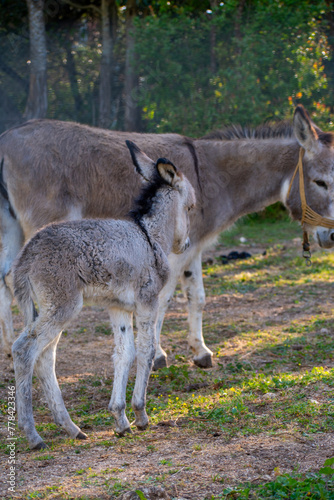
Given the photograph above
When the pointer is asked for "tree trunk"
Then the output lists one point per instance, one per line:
(213, 33)
(105, 68)
(329, 63)
(37, 103)
(72, 75)
(131, 84)
(238, 21)
(109, 26)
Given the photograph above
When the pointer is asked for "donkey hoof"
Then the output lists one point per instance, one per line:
(204, 362)
(160, 363)
(81, 435)
(122, 433)
(142, 427)
(40, 446)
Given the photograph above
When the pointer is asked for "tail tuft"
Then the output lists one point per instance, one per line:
(23, 291)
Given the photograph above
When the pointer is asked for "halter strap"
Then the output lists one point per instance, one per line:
(300, 160)
(309, 216)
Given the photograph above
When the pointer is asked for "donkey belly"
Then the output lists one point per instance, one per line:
(110, 296)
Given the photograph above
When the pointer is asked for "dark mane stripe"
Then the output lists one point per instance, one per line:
(189, 143)
(143, 203)
(143, 206)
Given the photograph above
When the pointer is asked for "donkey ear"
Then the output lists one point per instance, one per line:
(144, 165)
(168, 172)
(304, 130)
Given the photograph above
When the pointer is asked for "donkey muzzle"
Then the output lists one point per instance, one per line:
(325, 237)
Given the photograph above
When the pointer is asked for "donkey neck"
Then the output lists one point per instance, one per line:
(246, 175)
(158, 225)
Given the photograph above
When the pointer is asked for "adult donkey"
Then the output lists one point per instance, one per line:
(64, 171)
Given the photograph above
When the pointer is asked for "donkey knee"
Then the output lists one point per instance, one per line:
(200, 300)
(22, 348)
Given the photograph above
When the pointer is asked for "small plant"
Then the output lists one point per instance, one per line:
(327, 469)
(44, 457)
(141, 495)
(103, 328)
(80, 472)
(166, 462)
(217, 478)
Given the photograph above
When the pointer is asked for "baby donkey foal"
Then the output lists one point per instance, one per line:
(121, 264)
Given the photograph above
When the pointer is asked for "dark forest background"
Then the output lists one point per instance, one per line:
(166, 66)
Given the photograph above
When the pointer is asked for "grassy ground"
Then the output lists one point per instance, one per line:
(269, 322)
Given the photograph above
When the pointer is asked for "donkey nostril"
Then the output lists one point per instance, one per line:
(332, 236)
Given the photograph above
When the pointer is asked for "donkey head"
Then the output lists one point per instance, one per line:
(165, 184)
(318, 168)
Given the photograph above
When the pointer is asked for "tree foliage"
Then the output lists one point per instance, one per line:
(268, 60)
(198, 64)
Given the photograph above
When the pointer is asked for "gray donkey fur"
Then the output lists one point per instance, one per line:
(121, 264)
(56, 171)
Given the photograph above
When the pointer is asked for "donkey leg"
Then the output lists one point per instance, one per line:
(11, 241)
(25, 351)
(124, 355)
(146, 322)
(31, 346)
(192, 285)
(160, 360)
(166, 294)
(45, 371)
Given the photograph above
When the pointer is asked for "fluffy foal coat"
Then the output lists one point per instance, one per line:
(121, 264)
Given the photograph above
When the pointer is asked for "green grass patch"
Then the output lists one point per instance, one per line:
(261, 231)
(103, 328)
(44, 457)
(291, 487)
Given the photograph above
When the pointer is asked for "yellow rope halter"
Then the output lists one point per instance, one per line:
(309, 216)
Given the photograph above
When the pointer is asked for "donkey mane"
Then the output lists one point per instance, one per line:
(269, 130)
(144, 204)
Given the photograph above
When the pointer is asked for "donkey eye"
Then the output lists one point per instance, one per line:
(321, 184)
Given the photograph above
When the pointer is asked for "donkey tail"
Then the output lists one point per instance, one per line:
(23, 291)
(4, 190)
